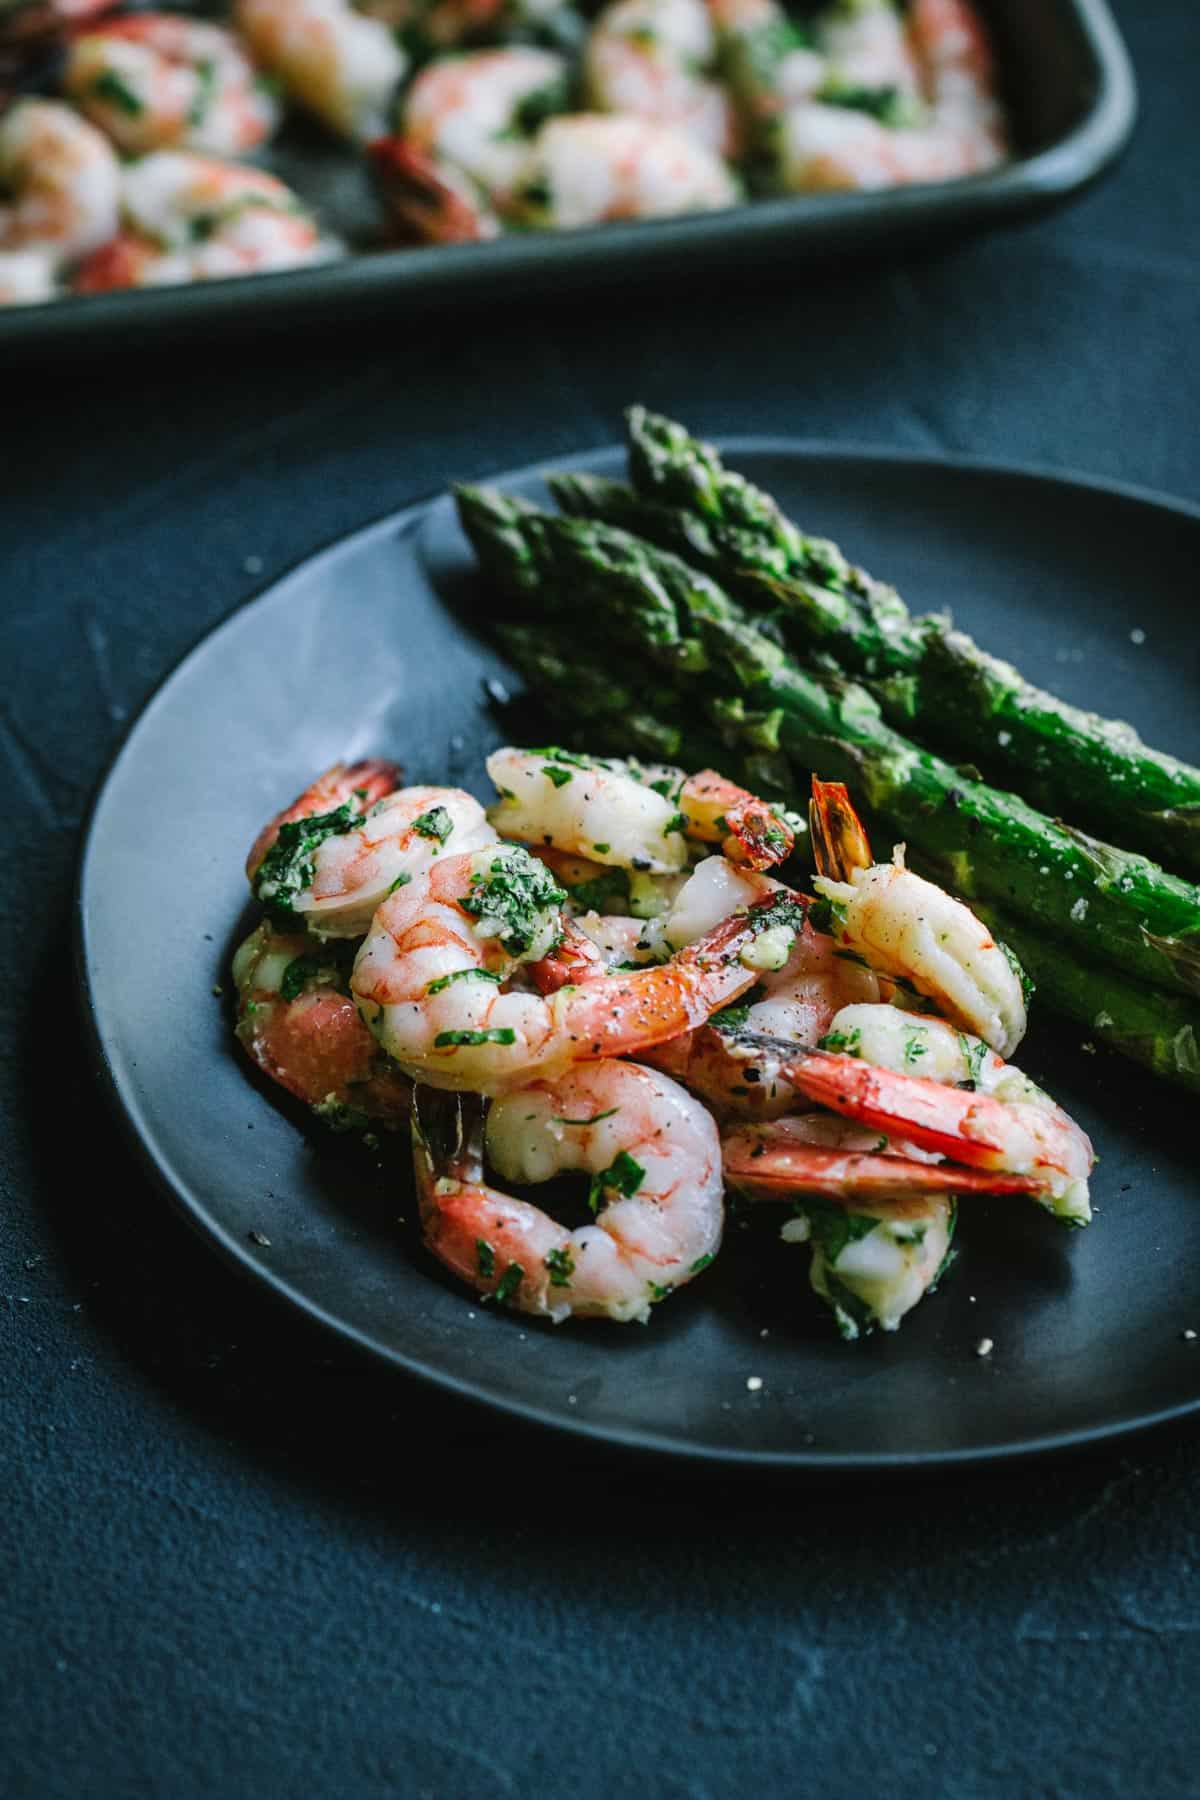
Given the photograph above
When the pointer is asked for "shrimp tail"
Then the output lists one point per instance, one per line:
(762, 1170)
(839, 839)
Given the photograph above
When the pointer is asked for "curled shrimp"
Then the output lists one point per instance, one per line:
(844, 1161)
(297, 1022)
(476, 113)
(432, 978)
(353, 838)
(429, 201)
(593, 167)
(154, 81)
(655, 1165)
(906, 928)
(63, 182)
(194, 218)
(650, 58)
(335, 62)
(620, 815)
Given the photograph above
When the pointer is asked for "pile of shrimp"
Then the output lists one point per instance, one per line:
(125, 134)
(603, 972)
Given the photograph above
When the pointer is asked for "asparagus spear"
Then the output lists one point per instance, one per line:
(1158, 1030)
(1111, 905)
(930, 678)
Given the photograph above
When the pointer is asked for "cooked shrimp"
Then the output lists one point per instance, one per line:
(823, 148)
(26, 277)
(360, 783)
(907, 928)
(192, 218)
(329, 870)
(430, 979)
(154, 81)
(872, 1264)
(867, 48)
(333, 61)
(477, 113)
(427, 200)
(593, 167)
(655, 1165)
(650, 58)
(63, 180)
(1016, 1137)
(618, 815)
(296, 1020)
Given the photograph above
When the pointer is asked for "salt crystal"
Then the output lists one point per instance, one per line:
(754, 1382)
(984, 1347)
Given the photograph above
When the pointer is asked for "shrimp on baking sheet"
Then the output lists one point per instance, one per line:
(621, 814)
(478, 112)
(592, 167)
(155, 81)
(297, 1022)
(193, 218)
(961, 132)
(61, 180)
(351, 839)
(433, 979)
(652, 58)
(333, 61)
(654, 1160)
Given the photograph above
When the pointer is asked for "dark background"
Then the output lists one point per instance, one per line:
(236, 1560)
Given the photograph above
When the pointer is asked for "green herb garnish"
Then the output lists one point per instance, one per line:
(623, 1176)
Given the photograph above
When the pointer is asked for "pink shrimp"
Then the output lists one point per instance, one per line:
(362, 783)
(432, 978)
(654, 1159)
(155, 81)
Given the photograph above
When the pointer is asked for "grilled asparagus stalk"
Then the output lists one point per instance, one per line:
(931, 680)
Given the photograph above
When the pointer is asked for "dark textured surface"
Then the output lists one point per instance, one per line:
(237, 1563)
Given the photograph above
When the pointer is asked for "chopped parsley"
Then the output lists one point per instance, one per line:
(400, 881)
(833, 1227)
(485, 1256)
(604, 893)
(495, 1034)
(508, 1284)
(677, 822)
(915, 1047)
(513, 896)
(853, 1315)
(732, 1019)
(974, 1055)
(658, 1292)
(601, 849)
(843, 1043)
(436, 823)
(286, 871)
(623, 1176)
(561, 1265)
(559, 777)
(338, 1116)
(701, 1262)
(315, 966)
(109, 86)
(443, 981)
(594, 1120)
(206, 88)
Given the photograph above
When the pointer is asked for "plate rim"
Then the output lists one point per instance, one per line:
(122, 1099)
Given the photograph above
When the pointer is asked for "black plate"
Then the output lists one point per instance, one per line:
(1066, 77)
(359, 651)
